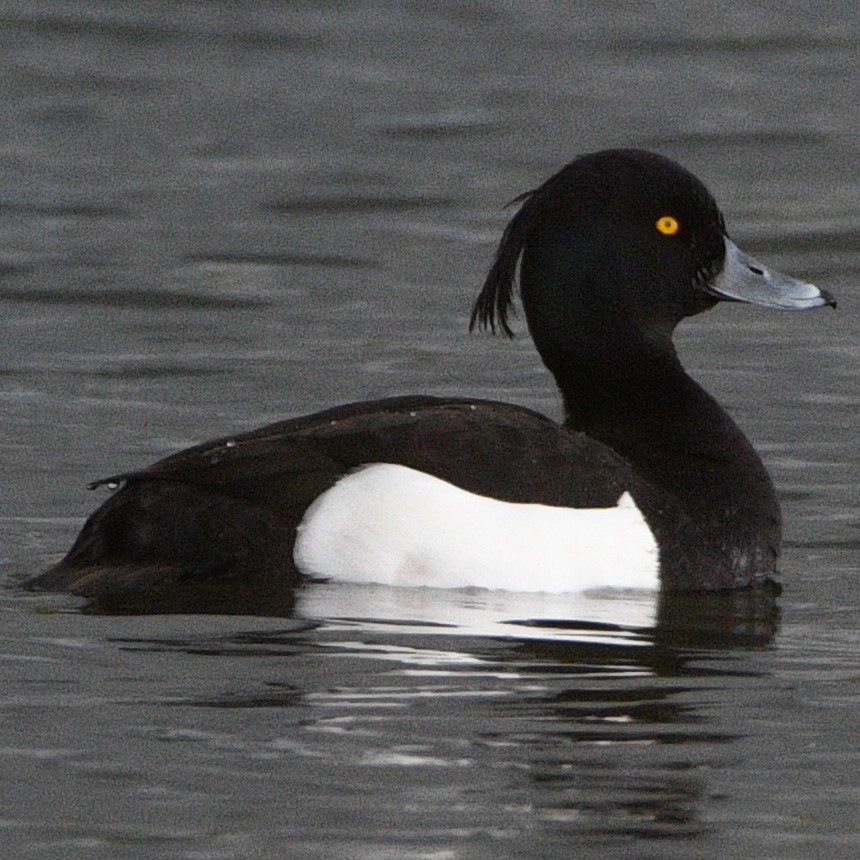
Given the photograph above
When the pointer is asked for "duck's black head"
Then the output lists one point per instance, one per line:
(618, 247)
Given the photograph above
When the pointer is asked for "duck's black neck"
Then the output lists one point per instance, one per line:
(639, 401)
(642, 404)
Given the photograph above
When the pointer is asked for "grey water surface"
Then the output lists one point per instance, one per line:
(215, 215)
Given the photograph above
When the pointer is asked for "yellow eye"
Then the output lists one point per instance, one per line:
(667, 225)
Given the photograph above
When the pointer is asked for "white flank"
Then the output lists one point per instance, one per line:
(393, 525)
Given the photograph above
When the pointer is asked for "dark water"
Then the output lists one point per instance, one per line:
(214, 215)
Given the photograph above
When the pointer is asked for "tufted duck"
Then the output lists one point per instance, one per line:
(613, 252)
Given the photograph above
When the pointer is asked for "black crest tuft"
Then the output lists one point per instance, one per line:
(496, 300)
